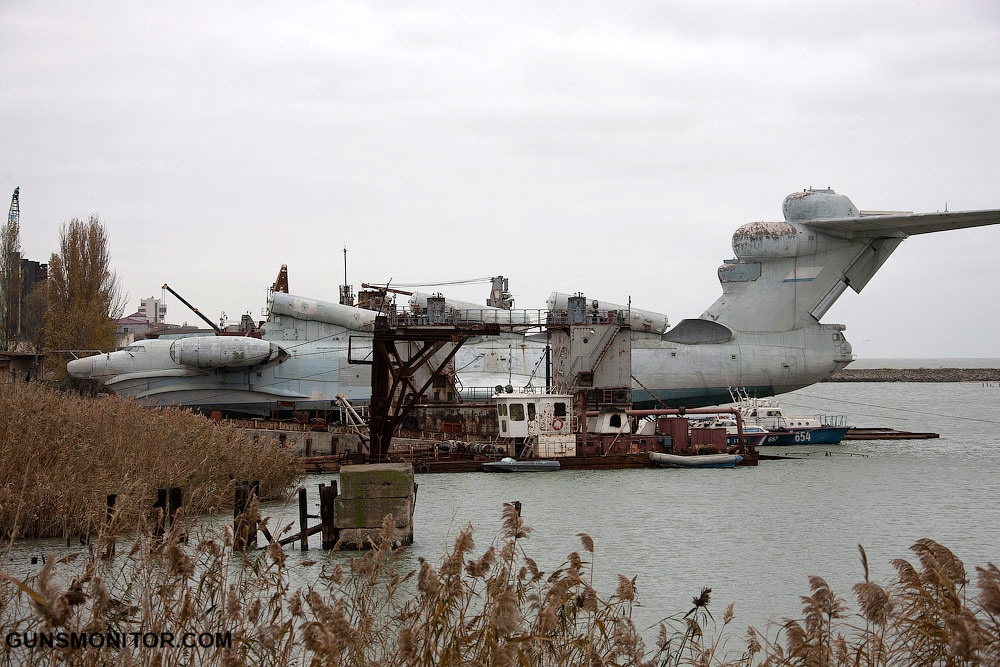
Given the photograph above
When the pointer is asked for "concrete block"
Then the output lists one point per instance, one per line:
(369, 512)
(379, 480)
(358, 538)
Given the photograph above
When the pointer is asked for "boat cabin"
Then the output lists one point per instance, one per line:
(524, 414)
(537, 425)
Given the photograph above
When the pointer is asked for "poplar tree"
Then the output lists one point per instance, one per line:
(33, 318)
(84, 295)
(10, 279)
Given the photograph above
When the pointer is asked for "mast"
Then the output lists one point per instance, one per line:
(346, 291)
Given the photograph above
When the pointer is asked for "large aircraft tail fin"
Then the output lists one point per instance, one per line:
(787, 275)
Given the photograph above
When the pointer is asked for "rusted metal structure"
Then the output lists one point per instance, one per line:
(409, 357)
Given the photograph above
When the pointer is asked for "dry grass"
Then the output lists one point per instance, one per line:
(60, 455)
(492, 608)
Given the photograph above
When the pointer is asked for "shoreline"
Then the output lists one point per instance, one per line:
(916, 375)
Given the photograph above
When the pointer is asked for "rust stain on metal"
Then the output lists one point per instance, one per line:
(764, 231)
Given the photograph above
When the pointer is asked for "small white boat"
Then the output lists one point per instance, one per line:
(695, 460)
(508, 464)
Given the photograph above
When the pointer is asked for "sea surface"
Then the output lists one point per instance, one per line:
(755, 535)
(752, 535)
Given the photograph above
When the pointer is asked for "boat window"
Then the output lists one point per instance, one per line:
(531, 412)
(502, 409)
(560, 409)
(517, 412)
(615, 421)
(503, 425)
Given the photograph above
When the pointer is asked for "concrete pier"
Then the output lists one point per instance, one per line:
(367, 494)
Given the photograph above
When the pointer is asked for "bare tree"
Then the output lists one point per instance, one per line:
(10, 277)
(84, 295)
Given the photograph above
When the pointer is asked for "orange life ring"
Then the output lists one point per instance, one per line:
(557, 424)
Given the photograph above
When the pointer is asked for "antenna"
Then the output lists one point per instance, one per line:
(346, 291)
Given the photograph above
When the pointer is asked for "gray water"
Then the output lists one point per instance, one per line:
(753, 535)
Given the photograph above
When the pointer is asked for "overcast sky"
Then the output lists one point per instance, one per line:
(608, 148)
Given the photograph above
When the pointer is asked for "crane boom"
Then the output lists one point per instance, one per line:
(14, 215)
(193, 309)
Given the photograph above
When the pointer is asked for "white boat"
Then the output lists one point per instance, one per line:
(508, 464)
(766, 413)
(695, 460)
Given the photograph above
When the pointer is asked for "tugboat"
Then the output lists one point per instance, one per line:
(541, 432)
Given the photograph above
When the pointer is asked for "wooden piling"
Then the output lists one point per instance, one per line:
(175, 499)
(173, 502)
(303, 521)
(327, 500)
(160, 513)
(112, 499)
(244, 529)
(109, 552)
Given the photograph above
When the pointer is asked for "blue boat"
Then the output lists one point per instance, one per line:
(821, 435)
(781, 429)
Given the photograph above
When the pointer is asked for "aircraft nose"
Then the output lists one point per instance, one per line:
(80, 368)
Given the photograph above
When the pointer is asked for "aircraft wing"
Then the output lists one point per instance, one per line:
(908, 223)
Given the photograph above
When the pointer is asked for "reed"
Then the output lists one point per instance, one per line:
(474, 607)
(61, 455)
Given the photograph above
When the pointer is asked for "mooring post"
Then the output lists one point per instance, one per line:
(517, 506)
(160, 512)
(173, 503)
(303, 521)
(110, 549)
(327, 500)
(244, 530)
(175, 500)
(239, 507)
(112, 498)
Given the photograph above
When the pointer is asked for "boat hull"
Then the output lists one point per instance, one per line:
(831, 435)
(695, 460)
(521, 466)
(753, 440)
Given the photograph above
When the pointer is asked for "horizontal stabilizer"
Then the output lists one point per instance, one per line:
(908, 223)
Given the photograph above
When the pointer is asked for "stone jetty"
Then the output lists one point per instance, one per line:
(916, 375)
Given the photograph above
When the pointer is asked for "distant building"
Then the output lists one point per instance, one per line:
(32, 273)
(143, 323)
(20, 366)
(153, 310)
(131, 328)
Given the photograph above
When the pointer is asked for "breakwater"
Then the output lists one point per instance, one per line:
(916, 375)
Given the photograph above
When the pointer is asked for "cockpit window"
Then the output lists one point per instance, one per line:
(135, 348)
